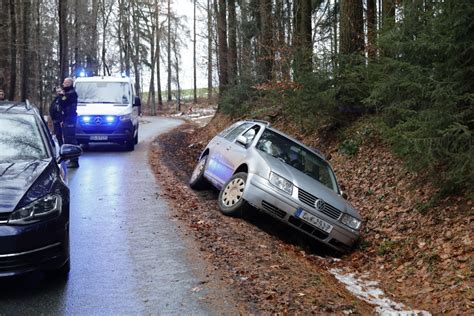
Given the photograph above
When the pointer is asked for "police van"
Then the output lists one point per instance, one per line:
(107, 110)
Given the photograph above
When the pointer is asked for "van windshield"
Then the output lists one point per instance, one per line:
(103, 92)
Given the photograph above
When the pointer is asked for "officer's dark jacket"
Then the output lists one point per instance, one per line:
(55, 111)
(68, 102)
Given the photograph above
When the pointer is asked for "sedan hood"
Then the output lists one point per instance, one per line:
(15, 180)
(308, 184)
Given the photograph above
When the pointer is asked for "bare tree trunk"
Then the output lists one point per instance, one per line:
(169, 50)
(92, 49)
(157, 56)
(77, 24)
(266, 50)
(209, 50)
(352, 27)
(25, 48)
(388, 13)
(63, 40)
(194, 53)
(232, 51)
(302, 40)
(222, 43)
(371, 29)
(4, 49)
(136, 43)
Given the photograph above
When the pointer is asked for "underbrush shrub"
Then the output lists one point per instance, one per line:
(237, 99)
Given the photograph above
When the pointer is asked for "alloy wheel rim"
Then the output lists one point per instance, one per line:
(233, 192)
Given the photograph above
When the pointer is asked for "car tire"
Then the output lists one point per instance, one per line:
(135, 139)
(64, 270)
(231, 200)
(130, 144)
(197, 180)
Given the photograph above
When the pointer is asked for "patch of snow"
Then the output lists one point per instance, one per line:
(202, 117)
(367, 290)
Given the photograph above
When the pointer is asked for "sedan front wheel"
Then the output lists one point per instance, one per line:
(231, 200)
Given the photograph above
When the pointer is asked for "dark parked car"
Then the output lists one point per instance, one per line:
(34, 197)
(252, 163)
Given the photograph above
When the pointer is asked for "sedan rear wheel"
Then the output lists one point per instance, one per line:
(197, 180)
(231, 200)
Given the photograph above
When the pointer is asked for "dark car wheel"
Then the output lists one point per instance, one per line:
(197, 180)
(130, 144)
(231, 200)
(64, 270)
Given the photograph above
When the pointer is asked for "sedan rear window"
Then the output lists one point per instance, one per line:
(298, 157)
(20, 138)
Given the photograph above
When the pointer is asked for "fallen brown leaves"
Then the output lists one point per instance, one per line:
(424, 259)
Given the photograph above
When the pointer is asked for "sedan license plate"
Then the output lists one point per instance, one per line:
(98, 137)
(313, 220)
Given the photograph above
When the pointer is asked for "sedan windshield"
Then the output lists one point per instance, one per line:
(20, 138)
(103, 92)
(298, 157)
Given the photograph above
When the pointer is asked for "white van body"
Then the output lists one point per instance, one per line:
(107, 110)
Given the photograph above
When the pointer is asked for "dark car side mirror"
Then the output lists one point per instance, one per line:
(68, 152)
(344, 195)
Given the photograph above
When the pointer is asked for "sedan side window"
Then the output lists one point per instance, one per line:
(228, 129)
(231, 136)
(250, 134)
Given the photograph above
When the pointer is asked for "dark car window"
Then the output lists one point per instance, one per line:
(232, 135)
(20, 138)
(298, 157)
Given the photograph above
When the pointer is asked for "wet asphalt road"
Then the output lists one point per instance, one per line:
(126, 254)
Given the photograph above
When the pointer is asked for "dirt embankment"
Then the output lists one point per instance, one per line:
(422, 257)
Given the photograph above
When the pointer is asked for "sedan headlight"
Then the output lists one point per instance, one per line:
(126, 117)
(281, 183)
(350, 221)
(47, 206)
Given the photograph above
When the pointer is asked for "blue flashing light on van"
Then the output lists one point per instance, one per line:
(108, 111)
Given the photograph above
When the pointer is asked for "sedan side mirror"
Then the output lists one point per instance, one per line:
(68, 152)
(242, 140)
(344, 195)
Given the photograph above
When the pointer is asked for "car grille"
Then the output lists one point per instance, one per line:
(327, 209)
(307, 228)
(29, 259)
(273, 209)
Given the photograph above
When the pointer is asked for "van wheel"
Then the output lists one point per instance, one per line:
(231, 198)
(130, 145)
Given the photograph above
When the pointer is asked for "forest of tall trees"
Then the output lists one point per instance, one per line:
(318, 62)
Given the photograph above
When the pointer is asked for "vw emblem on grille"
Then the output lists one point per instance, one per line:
(98, 120)
(319, 204)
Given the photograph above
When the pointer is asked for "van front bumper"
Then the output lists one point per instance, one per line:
(121, 131)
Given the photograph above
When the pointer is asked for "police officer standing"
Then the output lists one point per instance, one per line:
(56, 115)
(68, 104)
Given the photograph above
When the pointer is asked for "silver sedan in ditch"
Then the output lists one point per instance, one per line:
(252, 163)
